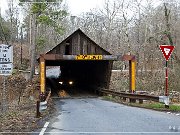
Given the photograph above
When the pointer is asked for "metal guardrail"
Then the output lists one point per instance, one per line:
(130, 95)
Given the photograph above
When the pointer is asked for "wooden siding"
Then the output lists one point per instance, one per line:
(78, 43)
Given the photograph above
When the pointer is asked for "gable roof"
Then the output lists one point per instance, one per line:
(74, 33)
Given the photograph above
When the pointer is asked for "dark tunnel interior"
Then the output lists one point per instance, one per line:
(80, 77)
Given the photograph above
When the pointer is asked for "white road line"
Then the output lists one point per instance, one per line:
(44, 128)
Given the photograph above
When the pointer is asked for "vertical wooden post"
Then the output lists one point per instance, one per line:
(38, 114)
(132, 77)
(140, 101)
(124, 99)
(42, 77)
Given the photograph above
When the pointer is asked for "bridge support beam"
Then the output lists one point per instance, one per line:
(42, 78)
(132, 76)
(132, 71)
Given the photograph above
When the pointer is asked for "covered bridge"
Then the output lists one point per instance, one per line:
(81, 61)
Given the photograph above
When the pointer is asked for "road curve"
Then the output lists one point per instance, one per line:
(95, 116)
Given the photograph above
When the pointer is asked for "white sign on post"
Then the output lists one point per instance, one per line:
(6, 59)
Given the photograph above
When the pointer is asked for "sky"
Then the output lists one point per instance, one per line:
(3, 6)
(78, 6)
(75, 6)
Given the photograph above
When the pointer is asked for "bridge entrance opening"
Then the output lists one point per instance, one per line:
(78, 77)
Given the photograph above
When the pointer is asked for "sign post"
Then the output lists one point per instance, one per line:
(4, 107)
(6, 67)
(166, 77)
(166, 50)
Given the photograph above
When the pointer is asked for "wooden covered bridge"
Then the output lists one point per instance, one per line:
(84, 62)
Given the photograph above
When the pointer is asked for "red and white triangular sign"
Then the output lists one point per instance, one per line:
(166, 50)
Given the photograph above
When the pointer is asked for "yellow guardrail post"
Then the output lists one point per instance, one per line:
(133, 76)
(42, 78)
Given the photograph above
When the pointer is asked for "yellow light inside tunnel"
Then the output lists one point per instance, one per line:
(70, 82)
(61, 82)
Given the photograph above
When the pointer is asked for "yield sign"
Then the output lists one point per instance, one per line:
(166, 50)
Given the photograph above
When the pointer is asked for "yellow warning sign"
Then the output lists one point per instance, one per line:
(89, 57)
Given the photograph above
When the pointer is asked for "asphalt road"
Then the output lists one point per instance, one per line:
(95, 116)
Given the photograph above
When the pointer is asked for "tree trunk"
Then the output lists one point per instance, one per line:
(168, 32)
(33, 46)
